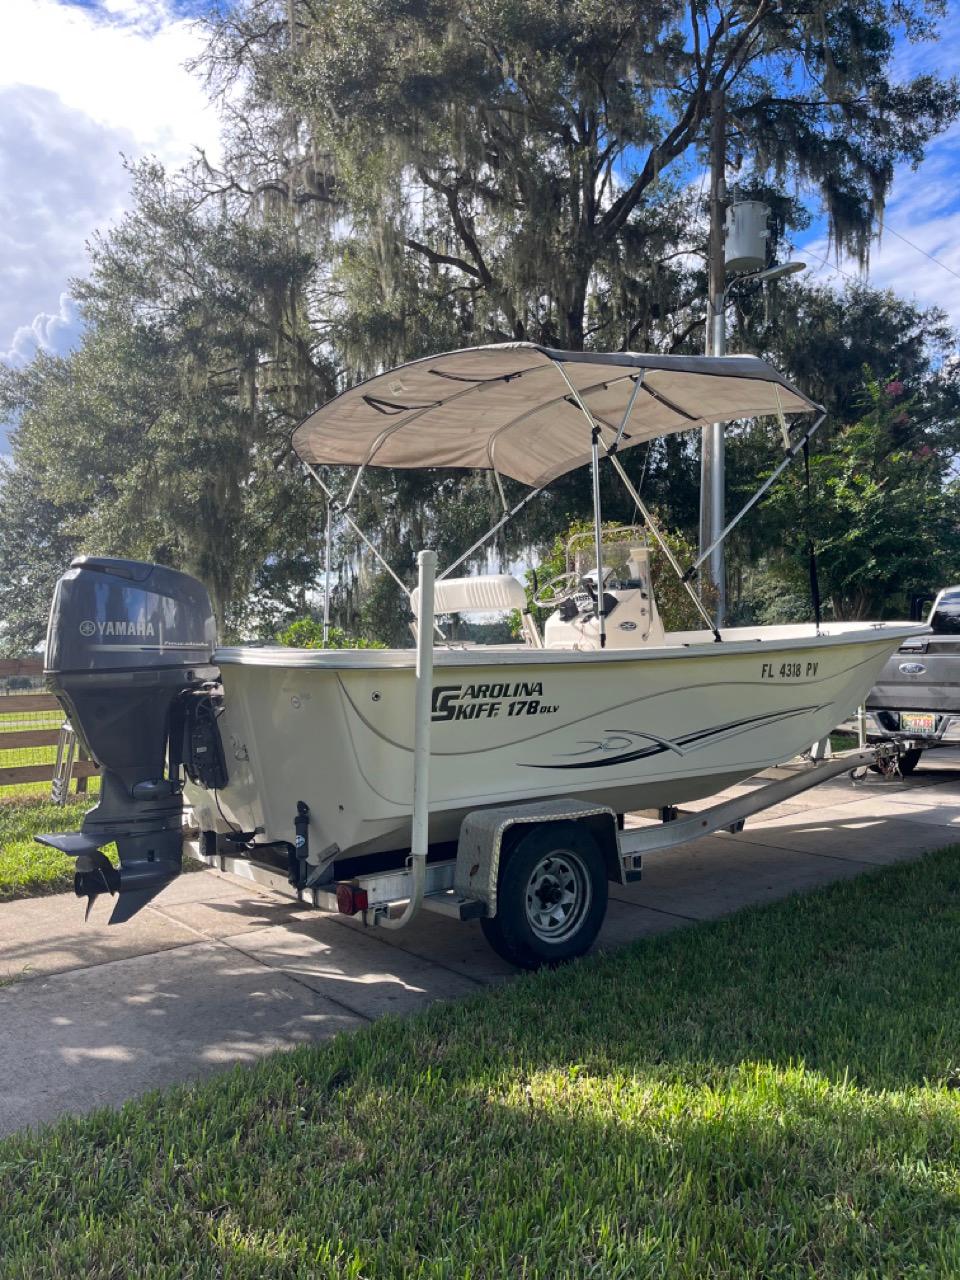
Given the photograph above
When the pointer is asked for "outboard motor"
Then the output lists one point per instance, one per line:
(129, 657)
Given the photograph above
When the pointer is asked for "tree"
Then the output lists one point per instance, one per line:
(307, 633)
(165, 435)
(885, 519)
(824, 338)
(518, 148)
(35, 548)
(402, 179)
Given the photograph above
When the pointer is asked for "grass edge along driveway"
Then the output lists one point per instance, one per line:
(28, 869)
(769, 1095)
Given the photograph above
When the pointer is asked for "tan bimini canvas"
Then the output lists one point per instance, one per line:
(508, 408)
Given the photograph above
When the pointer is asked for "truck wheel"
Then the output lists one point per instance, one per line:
(551, 897)
(908, 762)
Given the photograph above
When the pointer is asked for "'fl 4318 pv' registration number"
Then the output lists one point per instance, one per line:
(789, 670)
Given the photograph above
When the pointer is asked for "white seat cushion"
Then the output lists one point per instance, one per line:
(485, 593)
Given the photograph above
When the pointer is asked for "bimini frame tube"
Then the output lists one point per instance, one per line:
(790, 454)
(598, 537)
(368, 544)
(595, 440)
(357, 530)
(652, 526)
(422, 709)
(328, 545)
(504, 519)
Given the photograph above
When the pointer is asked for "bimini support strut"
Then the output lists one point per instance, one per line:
(422, 710)
(356, 529)
(598, 537)
(518, 506)
(327, 548)
(341, 510)
(789, 455)
(652, 526)
(595, 441)
(611, 452)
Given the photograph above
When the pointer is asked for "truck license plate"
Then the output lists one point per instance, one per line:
(918, 722)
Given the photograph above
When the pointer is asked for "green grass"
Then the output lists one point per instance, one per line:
(28, 869)
(768, 1096)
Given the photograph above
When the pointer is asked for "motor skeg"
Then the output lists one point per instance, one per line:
(129, 657)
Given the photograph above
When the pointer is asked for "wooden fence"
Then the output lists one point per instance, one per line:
(29, 720)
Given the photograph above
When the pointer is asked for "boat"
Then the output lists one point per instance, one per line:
(336, 760)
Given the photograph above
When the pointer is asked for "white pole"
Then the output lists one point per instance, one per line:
(422, 710)
(598, 537)
(326, 575)
(712, 441)
(718, 574)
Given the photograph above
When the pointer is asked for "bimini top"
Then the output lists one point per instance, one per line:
(509, 408)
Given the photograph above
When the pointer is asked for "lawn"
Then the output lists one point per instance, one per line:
(27, 868)
(772, 1095)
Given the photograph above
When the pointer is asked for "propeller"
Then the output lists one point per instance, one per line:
(96, 874)
(139, 879)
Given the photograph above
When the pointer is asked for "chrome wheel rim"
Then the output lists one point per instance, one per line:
(558, 896)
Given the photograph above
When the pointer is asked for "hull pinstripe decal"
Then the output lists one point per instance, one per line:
(703, 737)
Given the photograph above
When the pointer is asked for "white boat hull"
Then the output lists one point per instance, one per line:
(629, 728)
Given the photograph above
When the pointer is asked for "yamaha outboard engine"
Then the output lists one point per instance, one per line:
(129, 656)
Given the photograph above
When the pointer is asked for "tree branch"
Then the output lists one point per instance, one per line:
(442, 259)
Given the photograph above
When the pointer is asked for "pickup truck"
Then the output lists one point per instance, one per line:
(916, 699)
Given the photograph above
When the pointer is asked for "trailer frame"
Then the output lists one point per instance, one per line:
(449, 888)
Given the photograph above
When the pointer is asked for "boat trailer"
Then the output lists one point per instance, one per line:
(546, 900)
(464, 887)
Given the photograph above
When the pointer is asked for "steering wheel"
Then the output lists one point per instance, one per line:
(563, 587)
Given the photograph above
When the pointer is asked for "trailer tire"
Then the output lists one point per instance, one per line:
(551, 896)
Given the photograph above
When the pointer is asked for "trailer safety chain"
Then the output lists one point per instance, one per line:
(886, 762)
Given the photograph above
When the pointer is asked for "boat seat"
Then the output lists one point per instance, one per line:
(483, 593)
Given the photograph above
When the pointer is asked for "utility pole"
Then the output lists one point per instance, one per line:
(712, 443)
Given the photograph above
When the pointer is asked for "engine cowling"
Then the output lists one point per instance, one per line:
(130, 658)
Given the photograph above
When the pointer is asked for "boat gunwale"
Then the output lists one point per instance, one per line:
(493, 656)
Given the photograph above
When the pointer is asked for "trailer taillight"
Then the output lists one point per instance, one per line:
(350, 900)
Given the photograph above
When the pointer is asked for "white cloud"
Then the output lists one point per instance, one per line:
(79, 85)
(120, 63)
(897, 265)
(54, 333)
(60, 176)
(924, 207)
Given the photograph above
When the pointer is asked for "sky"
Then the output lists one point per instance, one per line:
(923, 207)
(81, 86)
(85, 82)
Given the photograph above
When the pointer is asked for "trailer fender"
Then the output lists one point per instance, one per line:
(487, 834)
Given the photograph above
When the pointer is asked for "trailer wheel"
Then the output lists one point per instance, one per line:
(551, 897)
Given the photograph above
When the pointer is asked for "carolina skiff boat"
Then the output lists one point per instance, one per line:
(330, 757)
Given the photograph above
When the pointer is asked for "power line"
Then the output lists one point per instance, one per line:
(807, 251)
(938, 261)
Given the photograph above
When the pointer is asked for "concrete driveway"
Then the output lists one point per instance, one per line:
(218, 971)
